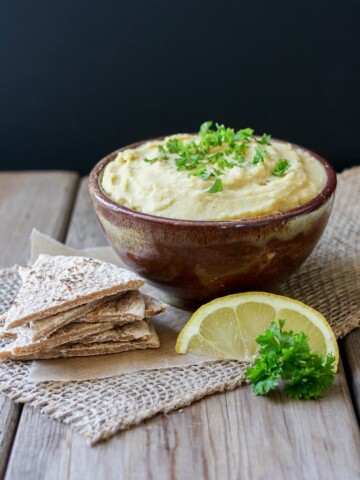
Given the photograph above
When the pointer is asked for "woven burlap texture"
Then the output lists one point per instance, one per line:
(329, 281)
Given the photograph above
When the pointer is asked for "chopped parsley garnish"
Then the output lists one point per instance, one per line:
(151, 160)
(286, 356)
(281, 167)
(220, 148)
(174, 145)
(259, 156)
(216, 187)
(264, 140)
(163, 153)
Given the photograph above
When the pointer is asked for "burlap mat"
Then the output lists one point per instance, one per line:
(329, 281)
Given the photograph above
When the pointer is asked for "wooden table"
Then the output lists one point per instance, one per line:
(226, 436)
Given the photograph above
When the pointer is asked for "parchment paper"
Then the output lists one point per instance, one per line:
(167, 325)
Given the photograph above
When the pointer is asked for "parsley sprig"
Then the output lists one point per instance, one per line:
(286, 356)
(219, 148)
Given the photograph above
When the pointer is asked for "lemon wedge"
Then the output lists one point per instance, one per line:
(226, 328)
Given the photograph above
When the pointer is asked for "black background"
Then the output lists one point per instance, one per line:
(79, 79)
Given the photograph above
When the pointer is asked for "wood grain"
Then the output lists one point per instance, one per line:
(42, 200)
(227, 436)
(234, 435)
(39, 200)
(84, 229)
(352, 353)
(9, 418)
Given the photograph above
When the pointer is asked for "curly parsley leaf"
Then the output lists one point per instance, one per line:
(313, 379)
(286, 356)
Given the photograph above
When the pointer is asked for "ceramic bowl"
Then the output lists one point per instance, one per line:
(195, 261)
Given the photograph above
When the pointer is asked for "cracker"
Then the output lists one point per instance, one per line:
(130, 306)
(132, 331)
(73, 332)
(23, 272)
(153, 306)
(58, 283)
(79, 350)
(5, 352)
(114, 321)
(5, 334)
(46, 326)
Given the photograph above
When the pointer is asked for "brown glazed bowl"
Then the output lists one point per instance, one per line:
(195, 261)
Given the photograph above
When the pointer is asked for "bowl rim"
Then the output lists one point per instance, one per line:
(250, 222)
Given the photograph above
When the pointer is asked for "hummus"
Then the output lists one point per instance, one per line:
(248, 190)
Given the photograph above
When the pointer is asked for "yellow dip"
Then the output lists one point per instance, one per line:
(249, 190)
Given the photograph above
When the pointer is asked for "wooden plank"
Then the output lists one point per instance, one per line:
(352, 354)
(84, 230)
(232, 435)
(9, 418)
(41, 450)
(28, 200)
(42, 200)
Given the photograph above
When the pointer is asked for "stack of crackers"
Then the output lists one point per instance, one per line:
(75, 306)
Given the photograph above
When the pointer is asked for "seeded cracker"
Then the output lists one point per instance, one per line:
(132, 331)
(70, 333)
(121, 313)
(80, 350)
(131, 306)
(153, 306)
(58, 283)
(46, 326)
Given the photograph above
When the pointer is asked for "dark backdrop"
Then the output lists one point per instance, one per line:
(82, 78)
